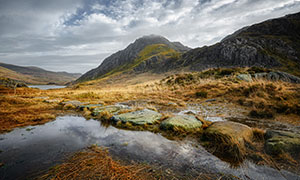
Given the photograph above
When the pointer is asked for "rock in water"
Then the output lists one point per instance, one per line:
(141, 117)
(182, 122)
(228, 140)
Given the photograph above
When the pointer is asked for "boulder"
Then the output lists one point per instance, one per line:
(278, 142)
(227, 139)
(141, 117)
(244, 77)
(183, 122)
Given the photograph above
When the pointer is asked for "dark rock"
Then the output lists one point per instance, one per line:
(281, 141)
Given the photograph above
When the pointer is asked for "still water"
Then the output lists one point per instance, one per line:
(26, 152)
(45, 87)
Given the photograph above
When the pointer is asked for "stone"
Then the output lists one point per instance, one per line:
(244, 77)
(183, 122)
(278, 142)
(227, 139)
(237, 131)
(141, 117)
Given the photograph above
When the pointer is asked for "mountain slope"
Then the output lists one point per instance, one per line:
(130, 57)
(35, 75)
(273, 44)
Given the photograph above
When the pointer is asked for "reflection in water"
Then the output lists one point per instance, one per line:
(28, 151)
(45, 87)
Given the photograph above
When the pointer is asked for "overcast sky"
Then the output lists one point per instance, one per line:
(75, 36)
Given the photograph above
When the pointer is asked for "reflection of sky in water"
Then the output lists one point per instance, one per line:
(45, 87)
(25, 152)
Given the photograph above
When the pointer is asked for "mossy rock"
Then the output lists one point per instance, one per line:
(227, 139)
(278, 142)
(183, 122)
(109, 109)
(141, 117)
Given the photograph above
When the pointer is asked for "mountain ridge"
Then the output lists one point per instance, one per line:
(129, 54)
(273, 43)
(35, 75)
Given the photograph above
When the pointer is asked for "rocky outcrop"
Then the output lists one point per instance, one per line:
(181, 122)
(271, 44)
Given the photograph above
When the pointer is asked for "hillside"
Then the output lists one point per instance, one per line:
(144, 54)
(271, 44)
(35, 75)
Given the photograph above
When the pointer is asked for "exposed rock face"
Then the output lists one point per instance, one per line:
(182, 122)
(281, 141)
(272, 44)
(141, 117)
(10, 83)
(129, 54)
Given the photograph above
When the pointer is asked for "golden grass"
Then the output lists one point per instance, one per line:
(18, 110)
(96, 163)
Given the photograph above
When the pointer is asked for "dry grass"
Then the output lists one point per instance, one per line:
(96, 163)
(19, 110)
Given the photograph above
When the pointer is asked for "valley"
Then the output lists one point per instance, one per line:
(161, 110)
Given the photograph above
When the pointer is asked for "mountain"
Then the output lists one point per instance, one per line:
(151, 49)
(273, 44)
(35, 75)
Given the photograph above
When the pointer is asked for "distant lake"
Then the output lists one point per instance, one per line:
(45, 87)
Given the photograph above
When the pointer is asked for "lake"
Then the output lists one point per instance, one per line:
(45, 87)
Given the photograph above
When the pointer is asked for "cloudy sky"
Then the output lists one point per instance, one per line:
(76, 35)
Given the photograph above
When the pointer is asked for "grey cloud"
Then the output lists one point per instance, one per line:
(76, 36)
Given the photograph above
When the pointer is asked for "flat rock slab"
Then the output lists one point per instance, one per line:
(141, 117)
(282, 141)
(111, 109)
(184, 122)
